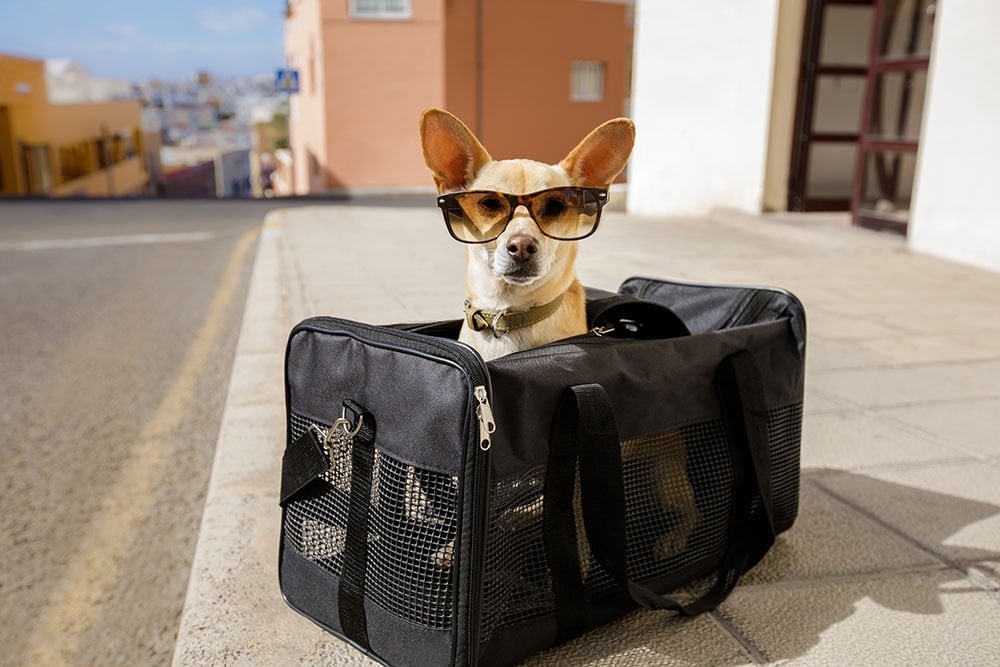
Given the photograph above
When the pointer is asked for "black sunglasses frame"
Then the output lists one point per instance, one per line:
(447, 201)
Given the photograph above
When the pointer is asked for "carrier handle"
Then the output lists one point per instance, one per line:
(585, 429)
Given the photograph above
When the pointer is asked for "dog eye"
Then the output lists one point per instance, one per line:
(493, 204)
(553, 208)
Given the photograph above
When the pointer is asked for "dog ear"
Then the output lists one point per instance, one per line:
(452, 152)
(602, 155)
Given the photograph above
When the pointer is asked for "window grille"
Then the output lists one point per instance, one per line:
(381, 9)
(587, 82)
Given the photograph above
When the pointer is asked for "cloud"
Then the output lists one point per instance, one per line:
(237, 20)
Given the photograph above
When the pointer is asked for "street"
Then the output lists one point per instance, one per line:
(119, 321)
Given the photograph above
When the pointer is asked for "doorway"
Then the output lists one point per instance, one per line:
(832, 77)
(862, 80)
(899, 57)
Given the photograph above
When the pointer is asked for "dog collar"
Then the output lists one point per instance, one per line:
(504, 321)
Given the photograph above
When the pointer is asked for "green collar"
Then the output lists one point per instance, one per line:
(502, 322)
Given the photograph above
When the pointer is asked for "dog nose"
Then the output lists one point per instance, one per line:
(520, 247)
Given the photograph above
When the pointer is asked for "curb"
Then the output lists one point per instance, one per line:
(228, 618)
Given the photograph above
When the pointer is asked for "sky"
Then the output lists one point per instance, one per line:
(142, 39)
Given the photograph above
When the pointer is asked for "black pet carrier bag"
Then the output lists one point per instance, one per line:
(440, 510)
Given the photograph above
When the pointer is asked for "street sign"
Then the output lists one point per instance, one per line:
(287, 81)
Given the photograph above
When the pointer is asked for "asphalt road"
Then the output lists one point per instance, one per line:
(118, 324)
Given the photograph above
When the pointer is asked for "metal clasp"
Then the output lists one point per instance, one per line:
(344, 424)
(498, 333)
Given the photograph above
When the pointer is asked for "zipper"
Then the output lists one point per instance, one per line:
(480, 515)
(749, 308)
(484, 413)
(469, 361)
(458, 353)
(757, 304)
(766, 293)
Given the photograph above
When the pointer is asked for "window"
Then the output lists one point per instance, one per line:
(74, 161)
(586, 82)
(104, 156)
(380, 9)
(36, 167)
(122, 146)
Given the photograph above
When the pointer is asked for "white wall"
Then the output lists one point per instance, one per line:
(701, 104)
(784, 96)
(956, 208)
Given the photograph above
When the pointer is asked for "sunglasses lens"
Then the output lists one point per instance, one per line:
(476, 217)
(567, 213)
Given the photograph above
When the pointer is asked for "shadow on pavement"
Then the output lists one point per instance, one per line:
(856, 538)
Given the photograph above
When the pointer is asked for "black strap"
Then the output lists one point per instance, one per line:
(351, 593)
(585, 429)
(303, 461)
(581, 422)
(741, 395)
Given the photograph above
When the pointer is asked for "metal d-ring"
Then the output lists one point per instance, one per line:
(345, 424)
(498, 333)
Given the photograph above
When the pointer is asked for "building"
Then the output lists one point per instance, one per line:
(529, 78)
(884, 108)
(92, 149)
(228, 175)
(269, 133)
(68, 82)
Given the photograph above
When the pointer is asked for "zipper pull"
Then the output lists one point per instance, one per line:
(485, 413)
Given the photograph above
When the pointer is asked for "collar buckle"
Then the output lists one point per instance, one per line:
(503, 322)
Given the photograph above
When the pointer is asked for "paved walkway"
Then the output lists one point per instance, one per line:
(895, 558)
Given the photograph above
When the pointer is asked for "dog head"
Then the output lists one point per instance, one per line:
(522, 259)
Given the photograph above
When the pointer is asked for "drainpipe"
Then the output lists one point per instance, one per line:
(479, 69)
(107, 160)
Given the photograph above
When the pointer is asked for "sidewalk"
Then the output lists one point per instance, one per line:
(895, 557)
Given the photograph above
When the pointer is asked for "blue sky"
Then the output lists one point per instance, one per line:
(139, 39)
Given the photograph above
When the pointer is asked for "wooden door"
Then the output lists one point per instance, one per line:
(832, 83)
(893, 109)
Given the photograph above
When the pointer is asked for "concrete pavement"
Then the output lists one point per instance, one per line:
(895, 557)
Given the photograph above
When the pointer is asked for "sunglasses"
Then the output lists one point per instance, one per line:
(565, 214)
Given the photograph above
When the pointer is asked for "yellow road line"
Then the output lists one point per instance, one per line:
(74, 606)
(274, 219)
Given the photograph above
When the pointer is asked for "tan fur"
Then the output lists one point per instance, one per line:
(458, 161)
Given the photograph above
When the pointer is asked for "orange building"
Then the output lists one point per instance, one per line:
(529, 78)
(63, 150)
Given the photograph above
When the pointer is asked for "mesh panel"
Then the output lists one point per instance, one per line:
(516, 584)
(677, 495)
(412, 524)
(678, 491)
(784, 432)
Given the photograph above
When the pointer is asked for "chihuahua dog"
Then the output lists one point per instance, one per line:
(521, 219)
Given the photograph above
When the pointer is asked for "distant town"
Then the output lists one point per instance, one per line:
(69, 133)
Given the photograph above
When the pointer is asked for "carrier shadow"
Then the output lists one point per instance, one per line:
(839, 551)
